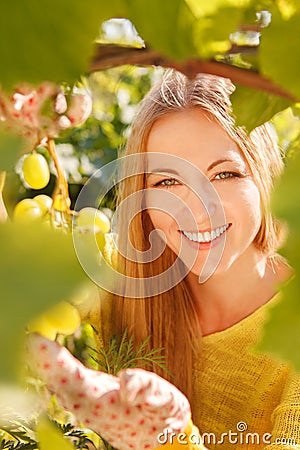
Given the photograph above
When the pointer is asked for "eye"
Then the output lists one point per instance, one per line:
(168, 182)
(226, 175)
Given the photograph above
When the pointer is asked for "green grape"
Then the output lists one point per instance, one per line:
(110, 251)
(100, 239)
(27, 210)
(93, 218)
(44, 202)
(42, 325)
(64, 317)
(36, 171)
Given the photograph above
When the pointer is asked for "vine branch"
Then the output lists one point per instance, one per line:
(61, 183)
(110, 55)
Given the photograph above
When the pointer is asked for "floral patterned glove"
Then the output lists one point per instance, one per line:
(129, 410)
(39, 113)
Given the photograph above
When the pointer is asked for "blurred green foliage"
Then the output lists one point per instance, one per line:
(38, 268)
(47, 40)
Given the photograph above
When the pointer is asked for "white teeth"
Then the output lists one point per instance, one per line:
(206, 236)
(200, 237)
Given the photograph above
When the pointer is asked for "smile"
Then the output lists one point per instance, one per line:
(207, 236)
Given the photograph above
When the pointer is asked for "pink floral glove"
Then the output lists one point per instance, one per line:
(129, 410)
(39, 112)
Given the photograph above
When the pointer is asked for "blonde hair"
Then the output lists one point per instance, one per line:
(170, 318)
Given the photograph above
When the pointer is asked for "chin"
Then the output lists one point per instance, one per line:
(211, 269)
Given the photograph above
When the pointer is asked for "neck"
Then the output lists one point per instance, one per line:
(228, 297)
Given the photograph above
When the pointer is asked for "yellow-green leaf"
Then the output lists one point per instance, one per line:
(252, 107)
(50, 438)
(38, 268)
(279, 55)
(49, 39)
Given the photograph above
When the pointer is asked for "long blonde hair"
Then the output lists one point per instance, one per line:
(170, 318)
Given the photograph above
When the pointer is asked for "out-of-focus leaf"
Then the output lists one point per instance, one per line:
(279, 54)
(50, 438)
(38, 267)
(11, 147)
(286, 197)
(201, 9)
(252, 108)
(49, 39)
(167, 25)
(282, 332)
(287, 126)
(213, 31)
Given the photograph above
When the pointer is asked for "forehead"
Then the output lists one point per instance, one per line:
(191, 135)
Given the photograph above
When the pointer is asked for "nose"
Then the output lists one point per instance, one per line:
(200, 210)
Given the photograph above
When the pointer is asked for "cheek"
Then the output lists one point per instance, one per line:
(162, 207)
(250, 205)
(164, 223)
(160, 220)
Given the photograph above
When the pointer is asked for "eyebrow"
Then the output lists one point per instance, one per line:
(219, 161)
(163, 170)
(169, 170)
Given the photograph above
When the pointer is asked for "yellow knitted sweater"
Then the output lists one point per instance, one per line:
(252, 398)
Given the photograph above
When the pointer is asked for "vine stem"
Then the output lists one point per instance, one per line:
(3, 212)
(2, 181)
(61, 183)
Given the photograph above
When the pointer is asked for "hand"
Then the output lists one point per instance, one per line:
(129, 410)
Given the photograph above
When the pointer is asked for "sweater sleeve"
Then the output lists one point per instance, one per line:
(286, 418)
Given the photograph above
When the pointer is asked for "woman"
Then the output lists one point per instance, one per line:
(201, 269)
(224, 380)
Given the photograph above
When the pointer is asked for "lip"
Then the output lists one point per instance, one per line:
(205, 245)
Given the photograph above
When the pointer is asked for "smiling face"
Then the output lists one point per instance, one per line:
(226, 215)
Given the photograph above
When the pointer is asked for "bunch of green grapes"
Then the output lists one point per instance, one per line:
(64, 317)
(36, 173)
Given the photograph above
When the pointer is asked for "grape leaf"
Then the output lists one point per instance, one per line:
(213, 31)
(38, 267)
(167, 26)
(49, 39)
(281, 336)
(286, 197)
(252, 108)
(50, 437)
(201, 9)
(279, 55)
(11, 147)
(282, 331)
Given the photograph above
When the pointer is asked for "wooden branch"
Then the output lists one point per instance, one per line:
(244, 49)
(108, 56)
